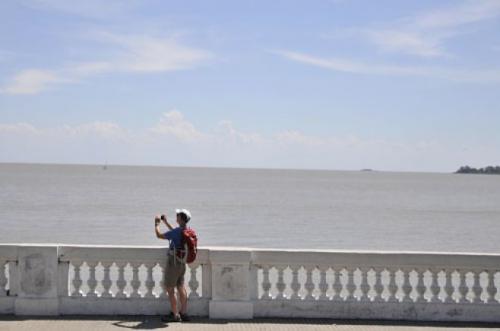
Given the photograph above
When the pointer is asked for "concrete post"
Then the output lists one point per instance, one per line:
(231, 288)
(37, 281)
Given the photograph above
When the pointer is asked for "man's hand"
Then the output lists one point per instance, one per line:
(157, 228)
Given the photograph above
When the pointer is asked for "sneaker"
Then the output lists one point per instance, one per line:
(185, 317)
(171, 318)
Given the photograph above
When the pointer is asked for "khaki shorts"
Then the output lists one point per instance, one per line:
(174, 273)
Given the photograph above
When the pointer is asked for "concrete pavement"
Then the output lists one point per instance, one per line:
(87, 323)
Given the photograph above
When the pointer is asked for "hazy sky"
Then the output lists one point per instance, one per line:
(339, 84)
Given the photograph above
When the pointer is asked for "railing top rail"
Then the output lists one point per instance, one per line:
(8, 252)
(253, 249)
(334, 258)
(377, 259)
(120, 253)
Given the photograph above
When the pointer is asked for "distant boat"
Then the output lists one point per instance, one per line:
(366, 169)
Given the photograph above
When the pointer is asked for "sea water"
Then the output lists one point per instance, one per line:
(305, 209)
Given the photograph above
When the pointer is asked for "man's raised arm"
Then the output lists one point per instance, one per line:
(157, 228)
(164, 219)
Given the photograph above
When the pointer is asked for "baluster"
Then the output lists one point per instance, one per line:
(435, 288)
(3, 279)
(323, 285)
(406, 285)
(121, 283)
(295, 286)
(163, 292)
(77, 281)
(392, 287)
(350, 286)
(106, 281)
(150, 283)
(135, 283)
(280, 284)
(448, 287)
(193, 282)
(378, 287)
(206, 281)
(476, 287)
(92, 282)
(364, 286)
(309, 285)
(462, 287)
(420, 285)
(266, 284)
(337, 285)
(491, 289)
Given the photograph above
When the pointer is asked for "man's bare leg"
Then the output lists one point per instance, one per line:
(173, 300)
(183, 298)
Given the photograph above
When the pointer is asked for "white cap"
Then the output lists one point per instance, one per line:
(185, 212)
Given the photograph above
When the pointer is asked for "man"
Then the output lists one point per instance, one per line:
(175, 268)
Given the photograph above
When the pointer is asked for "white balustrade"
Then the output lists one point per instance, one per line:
(476, 287)
(491, 288)
(280, 284)
(149, 283)
(378, 287)
(323, 285)
(117, 275)
(420, 288)
(309, 285)
(393, 286)
(274, 283)
(428, 284)
(193, 282)
(295, 285)
(266, 284)
(135, 283)
(462, 287)
(92, 282)
(350, 286)
(77, 280)
(435, 288)
(364, 286)
(106, 281)
(448, 286)
(337, 285)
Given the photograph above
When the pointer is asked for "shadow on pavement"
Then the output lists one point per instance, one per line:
(150, 322)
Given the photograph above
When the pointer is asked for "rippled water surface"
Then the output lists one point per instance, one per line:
(248, 207)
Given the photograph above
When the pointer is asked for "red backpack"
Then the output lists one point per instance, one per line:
(190, 244)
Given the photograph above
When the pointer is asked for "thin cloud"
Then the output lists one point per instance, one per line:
(412, 43)
(425, 35)
(175, 140)
(471, 11)
(228, 133)
(18, 128)
(132, 54)
(174, 124)
(359, 67)
(32, 81)
(148, 54)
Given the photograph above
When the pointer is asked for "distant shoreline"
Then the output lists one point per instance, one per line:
(489, 170)
(222, 167)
